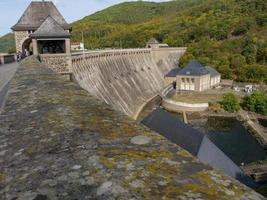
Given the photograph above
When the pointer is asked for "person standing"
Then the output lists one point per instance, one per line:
(19, 56)
(27, 53)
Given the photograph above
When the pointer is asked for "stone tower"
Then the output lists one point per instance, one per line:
(42, 30)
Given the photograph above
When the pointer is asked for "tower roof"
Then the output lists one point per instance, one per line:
(173, 72)
(35, 15)
(194, 68)
(213, 72)
(153, 41)
(50, 28)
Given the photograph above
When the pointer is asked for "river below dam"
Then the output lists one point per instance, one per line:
(222, 142)
(231, 137)
(228, 134)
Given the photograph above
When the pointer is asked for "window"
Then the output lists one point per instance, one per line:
(192, 80)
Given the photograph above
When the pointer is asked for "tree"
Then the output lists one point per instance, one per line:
(242, 28)
(249, 50)
(257, 102)
(225, 71)
(256, 73)
(262, 55)
(261, 20)
(12, 50)
(230, 103)
(237, 61)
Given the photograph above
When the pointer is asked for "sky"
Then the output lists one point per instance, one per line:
(72, 10)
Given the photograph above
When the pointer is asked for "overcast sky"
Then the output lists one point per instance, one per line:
(11, 10)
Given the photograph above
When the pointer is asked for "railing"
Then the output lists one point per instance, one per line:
(115, 52)
(107, 53)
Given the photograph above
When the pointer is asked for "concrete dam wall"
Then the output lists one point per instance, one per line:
(125, 79)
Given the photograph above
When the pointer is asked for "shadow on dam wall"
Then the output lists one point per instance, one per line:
(125, 79)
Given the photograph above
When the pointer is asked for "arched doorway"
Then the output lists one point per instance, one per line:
(27, 45)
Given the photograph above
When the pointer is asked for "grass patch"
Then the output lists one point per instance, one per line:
(209, 96)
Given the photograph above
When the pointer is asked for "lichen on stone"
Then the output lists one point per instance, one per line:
(59, 142)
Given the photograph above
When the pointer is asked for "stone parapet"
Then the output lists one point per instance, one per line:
(60, 63)
(60, 142)
(7, 58)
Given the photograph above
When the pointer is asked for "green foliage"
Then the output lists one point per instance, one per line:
(7, 43)
(227, 34)
(230, 103)
(253, 73)
(257, 102)
(12, 50)
(261, 19)
(241, 29)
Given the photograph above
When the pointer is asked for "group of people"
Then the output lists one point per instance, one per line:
(21, 55)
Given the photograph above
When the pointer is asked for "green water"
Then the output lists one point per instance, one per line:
(232, 138)
(263, 122)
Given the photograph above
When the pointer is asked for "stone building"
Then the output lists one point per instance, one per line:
(154, 44)
(194, 77)
(171, 76)
(77, 46)
(42, 30)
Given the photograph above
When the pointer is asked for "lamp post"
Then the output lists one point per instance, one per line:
(83, 44)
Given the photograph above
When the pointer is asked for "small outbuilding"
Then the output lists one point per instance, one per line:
(171, 76)
(194, 77)
(50, 38)
(215, 76)
(154, 44)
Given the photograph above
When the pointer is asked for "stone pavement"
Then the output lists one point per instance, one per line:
(7, 71)
(58, 142)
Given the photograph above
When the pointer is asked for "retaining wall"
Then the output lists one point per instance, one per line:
(7, 58)
(175, 106)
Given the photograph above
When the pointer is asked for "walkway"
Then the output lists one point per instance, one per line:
(7, 71)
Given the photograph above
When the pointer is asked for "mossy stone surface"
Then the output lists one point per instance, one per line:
(59, 142)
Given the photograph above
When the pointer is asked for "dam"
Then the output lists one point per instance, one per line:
(125, 79)
(60, 142)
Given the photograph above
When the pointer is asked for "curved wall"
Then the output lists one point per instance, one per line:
(175, 106)
(125, 79)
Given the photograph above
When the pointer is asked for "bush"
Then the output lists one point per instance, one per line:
(215, 107)
(230, 103)
(240, 30)
(257, 102)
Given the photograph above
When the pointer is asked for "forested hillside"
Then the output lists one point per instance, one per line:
(228, 34)
(7, 43)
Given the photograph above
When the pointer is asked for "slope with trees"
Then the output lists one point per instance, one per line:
(230, 35)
